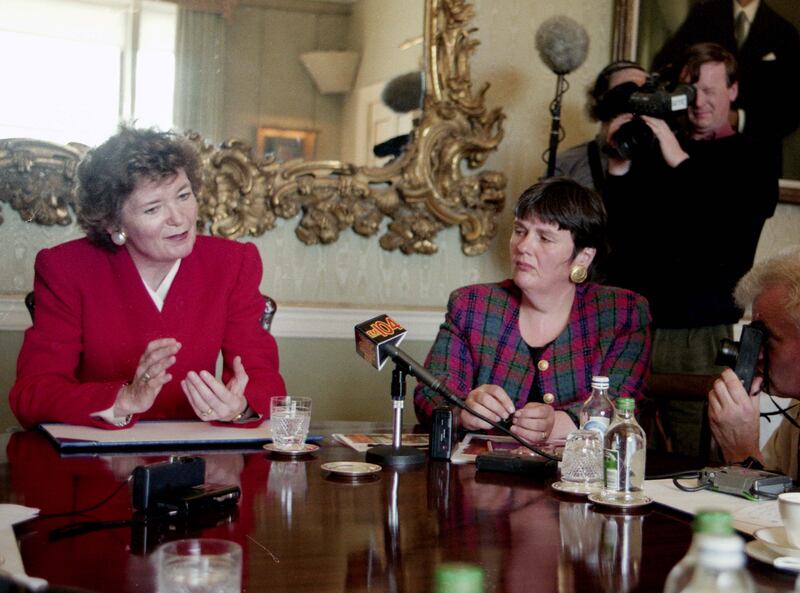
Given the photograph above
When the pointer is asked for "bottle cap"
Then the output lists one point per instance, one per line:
(458, 577)
(713, 522)
(626, 403)
(599, 382)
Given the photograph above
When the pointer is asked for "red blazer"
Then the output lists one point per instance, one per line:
(94, 318)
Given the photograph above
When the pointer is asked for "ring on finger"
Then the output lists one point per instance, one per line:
(146, 377)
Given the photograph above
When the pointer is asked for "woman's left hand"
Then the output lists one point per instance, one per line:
(534, 422)
(210, 399)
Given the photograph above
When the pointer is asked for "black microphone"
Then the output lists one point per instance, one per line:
(376, 342)
(562, 44)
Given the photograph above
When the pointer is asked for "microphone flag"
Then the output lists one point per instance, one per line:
(374, 335)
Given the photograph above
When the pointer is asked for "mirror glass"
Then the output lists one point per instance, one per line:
(235, 76)
(659, 19)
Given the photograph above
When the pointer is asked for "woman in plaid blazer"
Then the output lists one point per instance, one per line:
(526, 349)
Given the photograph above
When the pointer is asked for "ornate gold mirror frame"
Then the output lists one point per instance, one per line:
(421, 192)
(626, 31)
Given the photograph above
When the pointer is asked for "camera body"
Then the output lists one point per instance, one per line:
(177, 487)
(444, 433)
(742, 356)
(654, 99)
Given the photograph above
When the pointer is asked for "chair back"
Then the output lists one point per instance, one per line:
(270, 308)
(30, 303)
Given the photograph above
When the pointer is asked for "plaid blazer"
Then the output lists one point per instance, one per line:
(479, 343)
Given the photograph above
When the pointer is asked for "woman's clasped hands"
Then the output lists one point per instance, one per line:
(534, 422)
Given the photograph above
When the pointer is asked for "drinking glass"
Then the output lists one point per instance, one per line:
(582, 461)
(199, 566)
(289, 418)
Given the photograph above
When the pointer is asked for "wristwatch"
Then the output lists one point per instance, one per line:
(245, 415)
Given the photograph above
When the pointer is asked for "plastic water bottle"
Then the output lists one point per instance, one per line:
(720, 566)
(706, 522)
(624, 457)
(597, 411)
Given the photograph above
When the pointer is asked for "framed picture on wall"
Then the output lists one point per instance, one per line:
(286, 144)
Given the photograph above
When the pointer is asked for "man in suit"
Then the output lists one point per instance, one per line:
(767, 49)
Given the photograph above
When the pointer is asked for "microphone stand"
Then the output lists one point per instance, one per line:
(395, 454)
(555, 126)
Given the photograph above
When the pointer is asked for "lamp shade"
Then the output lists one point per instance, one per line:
(332, 71)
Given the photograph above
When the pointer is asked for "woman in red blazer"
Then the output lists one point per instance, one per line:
(131, 319)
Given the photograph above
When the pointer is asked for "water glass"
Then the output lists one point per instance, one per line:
(582, 461)
(199, 566)
(289, 418)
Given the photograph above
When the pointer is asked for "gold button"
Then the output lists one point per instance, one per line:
(548, 398)
(543, 365)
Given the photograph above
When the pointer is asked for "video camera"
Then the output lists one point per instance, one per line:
(653, 98)
(742, 356)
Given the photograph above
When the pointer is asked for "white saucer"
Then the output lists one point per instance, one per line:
(761, 552)
(577, 488)
(775, 539)
(307, 449)
(352, 469)
(602, 501)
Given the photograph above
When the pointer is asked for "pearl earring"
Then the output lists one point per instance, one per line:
(118, 238)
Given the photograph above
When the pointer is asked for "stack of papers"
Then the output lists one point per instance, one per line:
(364, 442)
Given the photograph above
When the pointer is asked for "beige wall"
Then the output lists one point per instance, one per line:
(269, 86)
(355, 271)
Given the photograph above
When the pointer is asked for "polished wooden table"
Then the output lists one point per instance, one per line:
(302, 531)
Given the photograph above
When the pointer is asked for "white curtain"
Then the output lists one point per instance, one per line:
(199, 73)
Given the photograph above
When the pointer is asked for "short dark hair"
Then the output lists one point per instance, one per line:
(108, 174)
(571, 206)
(703, 53)
(603, 82)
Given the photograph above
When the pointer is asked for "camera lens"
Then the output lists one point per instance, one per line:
(728, 353)
(633, 139)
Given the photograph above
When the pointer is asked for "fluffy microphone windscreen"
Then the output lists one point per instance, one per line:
(562, 44)
(404, 93)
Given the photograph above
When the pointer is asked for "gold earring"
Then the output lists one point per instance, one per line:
(578, 273)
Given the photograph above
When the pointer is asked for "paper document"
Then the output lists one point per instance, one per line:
(9, 552)
(748, 516)
(156, 433)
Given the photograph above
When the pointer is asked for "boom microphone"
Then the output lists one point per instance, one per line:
(562, 44)
(404, 93)
(376, 342)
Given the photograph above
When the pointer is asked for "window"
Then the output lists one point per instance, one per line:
(73, 69)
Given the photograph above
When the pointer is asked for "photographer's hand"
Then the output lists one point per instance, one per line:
(734, 417)
(671, 149)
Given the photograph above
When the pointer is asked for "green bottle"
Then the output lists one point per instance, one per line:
(458, 577)
(706, 522)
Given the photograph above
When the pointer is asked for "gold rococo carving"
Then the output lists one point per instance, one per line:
(411, 199)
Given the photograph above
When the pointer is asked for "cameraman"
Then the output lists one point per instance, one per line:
(684, 217)
(587, 163)
(772, 287)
